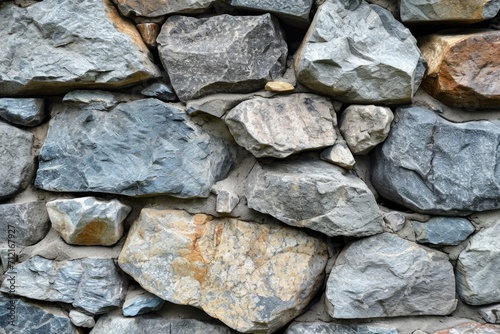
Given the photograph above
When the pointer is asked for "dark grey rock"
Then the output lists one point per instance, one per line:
(316, 195)
(161, 91)
(27, 111)
(230, 54)
(387, 276)
(28, 221)
(330, 328)
(431, 165)
(291, 11)
(145, 147)
(17, 162)
(443, 231)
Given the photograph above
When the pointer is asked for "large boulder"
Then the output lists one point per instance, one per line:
(27, 111)
(461, 11)
(295, 12)
(157, 8)
(221, 54)
(28, 222)
(254, 278)
(359, 60)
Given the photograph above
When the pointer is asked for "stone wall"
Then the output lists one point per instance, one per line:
(286, 166)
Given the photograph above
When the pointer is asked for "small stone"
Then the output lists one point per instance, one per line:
(490, 313)
(443, 231)
(395, 220)
(279, 87)
(331, 328)
(226, 201)
(162, 7)
(27, 111)
(161, 91)
(471, 328)
(139, 301)
(81, 319)
(149, 32)
(339, 154)
(295, 12)
(95, 99)
(462, 11)
(27, 222)
(7, 257)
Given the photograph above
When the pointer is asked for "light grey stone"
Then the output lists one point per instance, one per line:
(295, 12)
(81, 319)
(144, 147)
(161, 91)
(226, 201)
(230, 54)
(431, 165)
(339, 154)
(359, 53)
(338, 203)
(7, 256)
(28, 222)
(490, 313)
(283, 125)
(27, 111)
(140, 301)
(331, 328)
(88, 221)
(157, 8)
(443, 231)
(462, 11)
(471, 328)
(387, 276)
(92, 99)
(395, 220)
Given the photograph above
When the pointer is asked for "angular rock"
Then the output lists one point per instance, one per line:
(279, 87)
(88, 221)
(460, 76)
(490, 313)
(226, 201)
(327, 328)
(92, 99)
(17, 161)
(161, 91)
(238, 272)
(284, 125)
(219, 104)
(140, 301)
(430, 165)
(338, 203)
(339, 154)
(471, 328)
(478, 276)
(359, 53)
(27, 111)
(81, 319)
(462, 11)
(80, 44)
(443, 231)
(230, 54)
(291, 11)
(395, 221)
(364, 127)
(145, 147)
(149, 32)
(162, 7)
(387, 276)
(28, 222)
(94, 285)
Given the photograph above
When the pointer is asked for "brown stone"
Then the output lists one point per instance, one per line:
(149, 31)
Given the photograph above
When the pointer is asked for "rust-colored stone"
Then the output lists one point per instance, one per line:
(92, 233)
(149, 31)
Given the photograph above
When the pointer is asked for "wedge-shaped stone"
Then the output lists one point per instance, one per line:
(157, 8)
(254, 278)
(461, 11)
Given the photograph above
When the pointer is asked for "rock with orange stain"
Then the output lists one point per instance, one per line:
(459, 11)
(253, 277)
(471, 328)
(88, 221)
(463, 69)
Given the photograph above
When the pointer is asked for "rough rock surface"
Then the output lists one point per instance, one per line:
(443, 231)
(88, 221)
(145, 147)
(478, 276)
(331, 328)
(338, 203)
(462, 11)
(284, 125)
(16, 162)
(387, 276)
(139, 301)
(226, 201)
(230, 54)
(430, 165)
(460, 76)
(359, 53)
(27, 111)
(254, 278)
(162, 7)
(92, 45)
(290, 11)
(94, 285)
(28, 222)
(471, 328)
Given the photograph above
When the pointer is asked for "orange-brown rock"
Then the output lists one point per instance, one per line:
(149, 31)
(463, 69)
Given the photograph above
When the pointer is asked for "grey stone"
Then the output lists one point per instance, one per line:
(443, 231)
(339, 154)
(359, 60)
(291, 11)
(94, 285)
(283, 125)
(391, 5)
(338, 203)
(17, 161)
(7, 257)
(478, 276)
(231, 54)
(88, 221)
(162, 7)
(161, 91)
(28, 222)
(27, 111)
(395, 220)
(226, 201)
(387, 276)
(463, 11)
(92, 99)
(140, 301)
(79, 44)
(490, 313)
(431, 165)
(81, 319)
(144, 147)
(331, 328)
(471, 328)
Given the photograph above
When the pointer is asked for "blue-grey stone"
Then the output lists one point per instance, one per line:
(29, 222)
(161, 91)
(443, 231)
(27, 111)
(331, 328)
(140, 301)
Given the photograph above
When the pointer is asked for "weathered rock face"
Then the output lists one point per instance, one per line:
(478, 279)
(17, 161)
(94, 285)
(284, 125)
(460, 76)
(359, 60)
(238, 272)
(338, 203)
(387, 276)
(471, 328)
(145, 147)
(28, 222)
(92, 45)
(230, 54)
(161, 7)
(443, 231)
(27, 112)
(294, 11)
(88, 221)
(430, 165)
(326, 328)
(462, 11)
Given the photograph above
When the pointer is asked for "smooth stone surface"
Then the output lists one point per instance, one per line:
(79, 44)
(359, 53)
(290, 11)
(471, 328)
(331, 328)
(94, 285)
(443, 231)
(387, 276)
(338, 203)
(140, 301)
(339, 154)
(430, 165)
(283, 125)
(144, 147)
(28, 223)
(81, 319)
(226, 201)
(252, 277)
(161, 91)
(221, 54)
(88, 221)
(149, 32)
(279, 87)
(461, 11)
(162, 7)
(27, 111)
